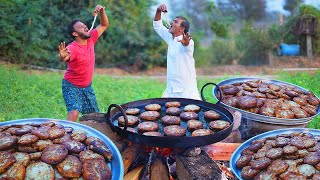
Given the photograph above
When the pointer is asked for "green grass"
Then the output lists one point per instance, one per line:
(26, 94)
(307, 81)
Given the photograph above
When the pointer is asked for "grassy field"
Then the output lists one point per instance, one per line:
(30, 94)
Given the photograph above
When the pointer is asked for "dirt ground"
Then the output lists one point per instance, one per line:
(278, 64)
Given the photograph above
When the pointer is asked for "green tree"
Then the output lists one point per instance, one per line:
(32, 30)
(244, 9)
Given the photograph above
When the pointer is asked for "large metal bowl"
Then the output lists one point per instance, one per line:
(237, 153)
(116, 165)
(253, 124)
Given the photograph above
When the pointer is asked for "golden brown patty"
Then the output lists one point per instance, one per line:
(39, 171)
(289, 149)
(243, 161)
(211, 115)
(313, 101)
(16, 171)
(174, 130)
(89, 155)
(232, 101)
(189, 115)
(287, 114)
(170, 120)
(260, 163)
(3, 128)
(219, 125)
(230, 90)
(56, 133)
(152, 107)
(6, 160)
(150, 115)
(132, 111)
(299, 113)
(101, 148)
(22, 158)
(90, 139)
(42, 132)
(278, 166)
(265, 175)
(42, 144)
(78, 135)
(70, 167)
(152, 133)
(191, 108)
(35, 156)
(58, 176)
(148, 126)
(173, 111)
(312, 110)
(11, 130)
(194, 124)
(7, 142)
(63, 139)
(301, 101)
(172, 104)
(248, 173)
(95, 169)
(74, 146)
(132, 120)
(24, 130)
(54, 154)
(311, 158)
(202, 132)
(246, 102)
(274, 153)
(27, 148)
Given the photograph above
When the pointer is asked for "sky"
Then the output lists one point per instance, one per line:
(277, 5)
(272, 5)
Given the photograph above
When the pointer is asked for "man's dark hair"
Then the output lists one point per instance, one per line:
(185, 24)
(71, 28)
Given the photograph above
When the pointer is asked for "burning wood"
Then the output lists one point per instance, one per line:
(159, 170)
(128, 156)
(197, 167)
(150, 163)
(221, 151)
(135, 173)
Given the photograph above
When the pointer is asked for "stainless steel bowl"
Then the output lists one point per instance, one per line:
(237, 153)
(116, 165)
(253, 124)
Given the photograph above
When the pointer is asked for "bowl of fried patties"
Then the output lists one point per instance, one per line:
(56, 149)
(292, 153)
(267, 104)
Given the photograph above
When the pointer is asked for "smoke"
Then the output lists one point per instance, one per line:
(276, 6)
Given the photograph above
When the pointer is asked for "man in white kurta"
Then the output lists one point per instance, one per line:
(181, 73)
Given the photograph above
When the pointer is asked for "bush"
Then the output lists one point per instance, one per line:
(253, 44)
(223, 51)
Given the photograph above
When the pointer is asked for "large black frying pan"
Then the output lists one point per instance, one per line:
(187, 141)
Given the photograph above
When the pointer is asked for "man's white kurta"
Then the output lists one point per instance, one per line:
(181, 72)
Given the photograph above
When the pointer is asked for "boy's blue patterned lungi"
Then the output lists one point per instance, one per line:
(80, 99)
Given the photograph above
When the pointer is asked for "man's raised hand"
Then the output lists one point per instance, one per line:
(185, 39)
(64, 54)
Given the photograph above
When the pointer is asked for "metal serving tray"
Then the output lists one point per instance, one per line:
(116, 164)
(237, 153)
